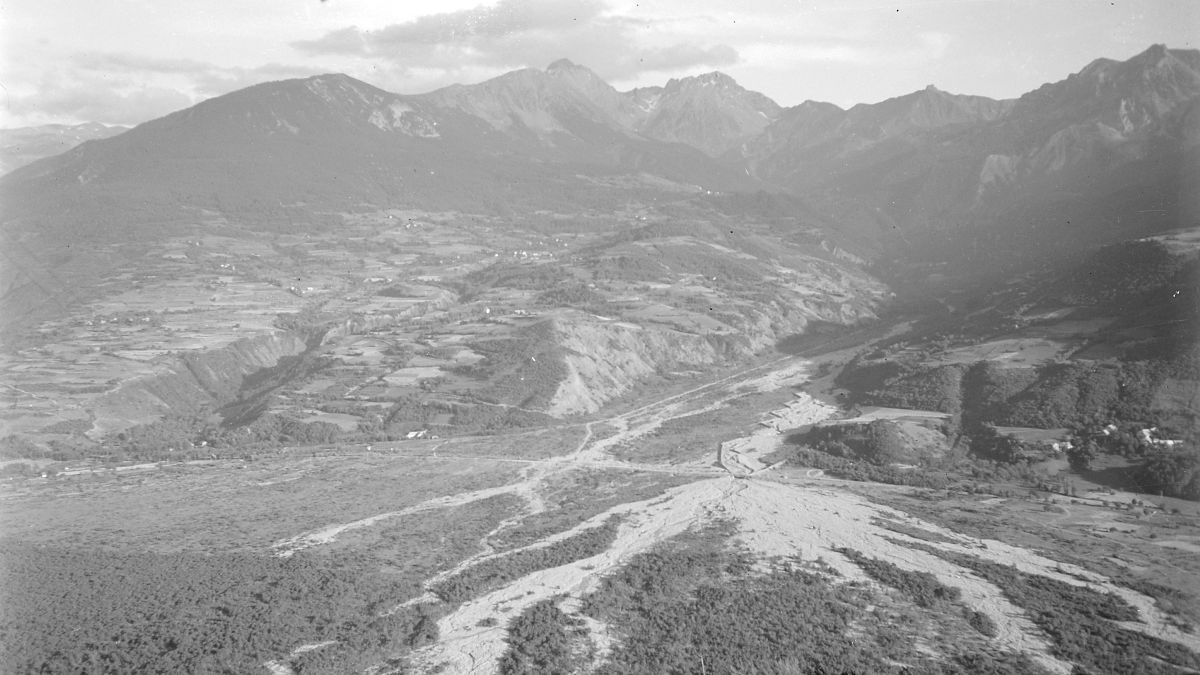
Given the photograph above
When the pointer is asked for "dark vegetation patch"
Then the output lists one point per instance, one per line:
(692, 605)
(691, 436)
(980, 622)
(1122, 274)
(1173, 472)
(518, 276)
(539, 641)
(523, 370)
(921, 587)
(1084, 397)
(897, 384)
(580, 495)
(86, 610)
(1181, 605)
(879, 442)
(1079, 620)
(490, 574)
(816, 334)
(911, 531)
(577, 295)
(962, 474)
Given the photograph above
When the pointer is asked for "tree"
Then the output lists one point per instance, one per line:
(1175, 473)
(1081, 454)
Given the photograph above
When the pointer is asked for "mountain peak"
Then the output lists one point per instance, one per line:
(330, 78)
(563, 64)
(714, 79)
(1153, 55)
(1123, 95)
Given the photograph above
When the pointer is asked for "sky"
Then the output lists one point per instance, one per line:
(128, 61)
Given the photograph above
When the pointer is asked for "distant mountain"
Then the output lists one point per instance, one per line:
(564, 102)
(946, 177)
(289, 151)
(711, 112)
(22, 145)
(1097, 157)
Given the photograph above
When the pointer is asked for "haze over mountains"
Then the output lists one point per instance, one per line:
(23, 145)
(930, 160)
(963, 185)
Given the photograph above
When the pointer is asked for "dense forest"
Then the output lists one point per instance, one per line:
(1081, 622)
(73, 610)
(1104, 406)
(694, 605)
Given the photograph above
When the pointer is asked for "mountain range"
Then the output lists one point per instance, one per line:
(930, 177)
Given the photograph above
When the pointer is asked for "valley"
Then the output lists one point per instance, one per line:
(576, 486)
(533, 375)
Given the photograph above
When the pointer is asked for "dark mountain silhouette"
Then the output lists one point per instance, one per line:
(1091, 159)
(283, 151)
(1100, 155)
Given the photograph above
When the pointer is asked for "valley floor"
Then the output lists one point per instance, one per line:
(541, 503)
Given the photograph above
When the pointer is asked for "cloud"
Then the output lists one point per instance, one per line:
(124, 88)
(92, 98)
(205, 79)
(520, 33)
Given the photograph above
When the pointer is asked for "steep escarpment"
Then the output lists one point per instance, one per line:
(198, 379)
(605, 359)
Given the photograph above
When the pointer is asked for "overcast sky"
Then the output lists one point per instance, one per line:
(127, 61)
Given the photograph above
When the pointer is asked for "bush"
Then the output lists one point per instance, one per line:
(1174, 472)
(77, 610)
(922, 587)
(694, 606)
(539, 642)
(1080, 621)
(495, 572)
(981, 622)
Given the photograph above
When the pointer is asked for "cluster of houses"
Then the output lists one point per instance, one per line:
(1148, 436)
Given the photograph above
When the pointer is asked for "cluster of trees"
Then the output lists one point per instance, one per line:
(578, 295)
(1075, 395)
(1081, 622)
(901, 385)
(988, 443)
(1174, 472)
(1084, 397)
(521, 276)
(523, 370)
(879, 442)
(693, 606)
(539, 642)
(1121, 273)
(77, 610)
(921, 587)
(495, 572)
(964, 473)
(628, 266)
(850, 469)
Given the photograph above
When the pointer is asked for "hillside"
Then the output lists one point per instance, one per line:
(534, 375)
